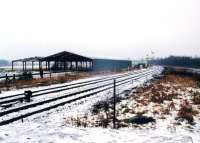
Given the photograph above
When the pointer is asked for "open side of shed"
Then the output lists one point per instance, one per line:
(60, 61)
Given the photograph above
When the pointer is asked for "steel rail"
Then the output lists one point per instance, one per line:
(72, 84)
(59, 90)
(110, 86)
(61, 97)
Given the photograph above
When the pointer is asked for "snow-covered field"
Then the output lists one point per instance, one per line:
(50, 126)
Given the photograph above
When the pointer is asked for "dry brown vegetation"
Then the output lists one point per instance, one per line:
(170, 92)
(183, 81)
(18, 84)
(158, 100)
(187, 112)
(196, 97)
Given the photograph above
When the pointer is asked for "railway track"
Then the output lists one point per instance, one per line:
(18, 113)
(18, 97)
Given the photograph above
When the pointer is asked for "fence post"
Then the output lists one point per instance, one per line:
(114, 103)
(14, 78)
(41, 73)
(6, 77)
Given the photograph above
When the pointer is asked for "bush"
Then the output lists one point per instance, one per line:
(118, 99)
(186, 112)
(140, 120)
(100, 106)
(157, 98)
(197, 79)
(103, 122)
(196, 98)
(160, 97)
(198, 84)
(79, 122)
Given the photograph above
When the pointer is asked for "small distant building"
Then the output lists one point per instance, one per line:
(139, 63)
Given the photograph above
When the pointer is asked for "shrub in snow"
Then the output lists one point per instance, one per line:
(171, 106)
(196, 98)
(118, 99)
(165, 111)
(157, 97)
(160, 97)
(197, 78)
(198, 84)
(103, 122)
(140, 120)
(100, 106)
(186, 112)
(79, 122)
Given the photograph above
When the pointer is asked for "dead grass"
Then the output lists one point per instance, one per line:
(18, 84)
(184, 81)
(166, 95)
(171, 106)
(160, 99)
(196, 97)
(186, 112)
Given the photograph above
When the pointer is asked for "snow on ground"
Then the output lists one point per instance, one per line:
(35, 74)
(50, 127)
(50, 96)
(17, 91)
(61, 93)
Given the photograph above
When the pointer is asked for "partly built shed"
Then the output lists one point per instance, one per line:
(59, 61)
(68, 61)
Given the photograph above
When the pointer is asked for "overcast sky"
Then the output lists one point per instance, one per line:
(104, 28)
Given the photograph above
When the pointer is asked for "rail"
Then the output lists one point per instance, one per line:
(60, 99)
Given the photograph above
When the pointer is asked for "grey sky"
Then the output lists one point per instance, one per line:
(104, 28)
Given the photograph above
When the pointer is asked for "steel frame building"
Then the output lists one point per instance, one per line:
(68, 61)
(60, 61)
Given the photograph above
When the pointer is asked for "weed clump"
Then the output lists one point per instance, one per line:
(196, 98)
(160, 97)
(62, 79)
(157, 97)
(102, 121)
(100, 106)
(186, 112)
(79, 122)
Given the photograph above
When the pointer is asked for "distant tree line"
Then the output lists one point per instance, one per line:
(4, 62)
(181, 61)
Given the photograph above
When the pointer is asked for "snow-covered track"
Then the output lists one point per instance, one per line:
(18, 97)
(69, 95)
(56, 102)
